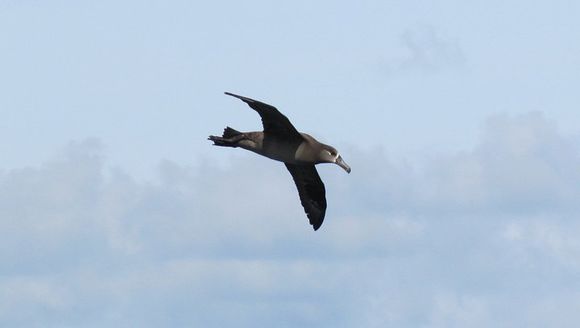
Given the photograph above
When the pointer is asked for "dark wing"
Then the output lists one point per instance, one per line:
(311, 191)
(274, 122)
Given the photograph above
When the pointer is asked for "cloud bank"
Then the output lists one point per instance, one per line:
(485, 237)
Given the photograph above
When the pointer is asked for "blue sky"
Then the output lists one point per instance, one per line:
(460, 121)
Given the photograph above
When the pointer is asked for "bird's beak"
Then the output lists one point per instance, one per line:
(340, 162)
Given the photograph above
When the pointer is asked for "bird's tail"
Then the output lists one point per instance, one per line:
(228, 138)
(230, 133)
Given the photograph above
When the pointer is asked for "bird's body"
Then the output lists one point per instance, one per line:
(299, 151)
(279, 149)
(269, 146)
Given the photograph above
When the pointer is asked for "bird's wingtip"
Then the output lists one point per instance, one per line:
(242, 98)
(316, 225)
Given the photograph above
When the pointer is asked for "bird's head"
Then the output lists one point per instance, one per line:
(329, 154)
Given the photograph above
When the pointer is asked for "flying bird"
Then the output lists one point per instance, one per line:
(299, 151)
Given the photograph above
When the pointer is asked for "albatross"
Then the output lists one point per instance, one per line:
(299, 151)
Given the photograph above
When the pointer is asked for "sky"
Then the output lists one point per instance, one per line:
(459, 120)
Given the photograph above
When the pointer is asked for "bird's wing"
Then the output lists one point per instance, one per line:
(311, 191)
(274, 122)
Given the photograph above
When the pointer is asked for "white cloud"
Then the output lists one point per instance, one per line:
(427, 50)
(454, 311)
(451, 242)
(522, 165)
(554, 238)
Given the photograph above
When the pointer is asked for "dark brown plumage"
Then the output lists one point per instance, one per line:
(299, 151)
